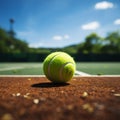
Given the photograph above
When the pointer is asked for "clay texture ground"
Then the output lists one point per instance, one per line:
(83, 98)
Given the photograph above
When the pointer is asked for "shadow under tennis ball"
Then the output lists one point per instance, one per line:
(49, 85)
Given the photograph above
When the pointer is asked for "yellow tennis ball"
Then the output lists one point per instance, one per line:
(59, 67)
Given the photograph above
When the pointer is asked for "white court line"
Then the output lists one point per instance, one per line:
(11, 68)
(15, 68)
(22, 75)
(81, 73)
(74, 76)
(77, 73)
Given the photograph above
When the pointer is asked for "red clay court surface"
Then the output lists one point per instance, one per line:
(83, 98)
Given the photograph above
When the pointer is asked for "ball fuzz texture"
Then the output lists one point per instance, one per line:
(59, 67)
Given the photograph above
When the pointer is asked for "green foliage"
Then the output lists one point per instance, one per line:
(112, 43)
(71, 49)
(92, 44)
(10, 44)
(98, 45)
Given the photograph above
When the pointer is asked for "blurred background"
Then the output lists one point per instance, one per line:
(89, 30)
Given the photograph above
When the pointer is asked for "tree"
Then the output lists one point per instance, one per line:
(22, 46)
(3, 38)
(92, 44)
(9, 44)
(112, 43)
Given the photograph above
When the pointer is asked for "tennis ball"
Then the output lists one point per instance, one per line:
(59, 67)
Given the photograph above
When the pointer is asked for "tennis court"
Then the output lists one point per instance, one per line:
(29, 96)
(93, 68)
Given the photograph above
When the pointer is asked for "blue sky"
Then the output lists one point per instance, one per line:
(59, 23)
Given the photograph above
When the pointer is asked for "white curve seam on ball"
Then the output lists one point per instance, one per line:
(61, 69)
(51, 63)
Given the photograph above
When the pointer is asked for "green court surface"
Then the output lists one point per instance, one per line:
(94, 68)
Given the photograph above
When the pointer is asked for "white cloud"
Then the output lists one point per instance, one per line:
(66, 36)
(91, 26)
(36, 45)
(60, 37)
(57, 37)
(24, 33)
(117, 22)
(32, 38)
(29, 35)
(103, 5)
